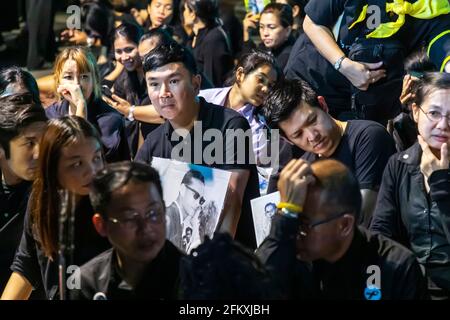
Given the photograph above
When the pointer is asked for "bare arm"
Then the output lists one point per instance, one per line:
(361, 75)
(115, 73)
(145, 113)
(17, 288)
(233, 201)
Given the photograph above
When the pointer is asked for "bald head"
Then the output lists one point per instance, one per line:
(336, 187)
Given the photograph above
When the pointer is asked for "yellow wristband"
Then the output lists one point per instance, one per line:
(290, 206)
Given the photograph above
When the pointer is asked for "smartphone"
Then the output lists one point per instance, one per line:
(107, 91)
(255, 6)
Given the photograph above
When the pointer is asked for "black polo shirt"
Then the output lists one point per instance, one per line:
(159, 144)
(13, 204)
(160, 280)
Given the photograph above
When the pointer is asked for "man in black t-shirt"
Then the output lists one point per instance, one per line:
(363, 146)
(21, 126)
(192, 126)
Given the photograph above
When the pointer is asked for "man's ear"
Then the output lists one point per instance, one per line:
(415, 112)
(296, 11)
(2, 153)
(347, 224)
(196, 83)
(99, 224)
(323, 104)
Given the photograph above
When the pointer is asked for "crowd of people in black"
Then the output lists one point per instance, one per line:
(358, 112)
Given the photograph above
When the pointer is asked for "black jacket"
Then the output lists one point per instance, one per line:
(13, 204)
(401, 277)
(281, 53)
(406, 213)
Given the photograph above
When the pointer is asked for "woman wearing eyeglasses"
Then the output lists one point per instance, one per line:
(70, 154)
(413, 203)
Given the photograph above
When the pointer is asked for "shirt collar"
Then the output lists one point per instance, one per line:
(204, 115)
(411, 156)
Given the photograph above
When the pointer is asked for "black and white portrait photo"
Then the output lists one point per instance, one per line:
(194, 197)
(263, 209)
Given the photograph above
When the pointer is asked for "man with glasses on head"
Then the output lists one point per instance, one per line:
(413, 205)
(182, 214)
(142, 264)
(316, 250)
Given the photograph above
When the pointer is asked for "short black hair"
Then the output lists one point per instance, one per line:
(130, 31)
(206, 10)
(431, 82)
(170, 53)
(192, 174)
(161, 34)
(418, 62)
(282, 11)
(15, 74)
(117, 175)
(285, 98)
(252, 60)
(301, 3)
(15, 116)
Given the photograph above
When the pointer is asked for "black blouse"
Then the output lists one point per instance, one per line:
(39, 270)
(213, 55)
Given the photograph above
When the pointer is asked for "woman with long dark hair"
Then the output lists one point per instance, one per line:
(70, 154)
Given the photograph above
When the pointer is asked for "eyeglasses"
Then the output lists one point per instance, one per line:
(154, 216)
(305, 228)
(435, 116)
(196, 195)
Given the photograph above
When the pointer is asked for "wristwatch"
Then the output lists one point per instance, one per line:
(131, 113)
(337, 64)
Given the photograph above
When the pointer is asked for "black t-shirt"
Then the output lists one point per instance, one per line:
(40, 271)
(13, 204)
(160, 280)
(365, 148)
(159, 144)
